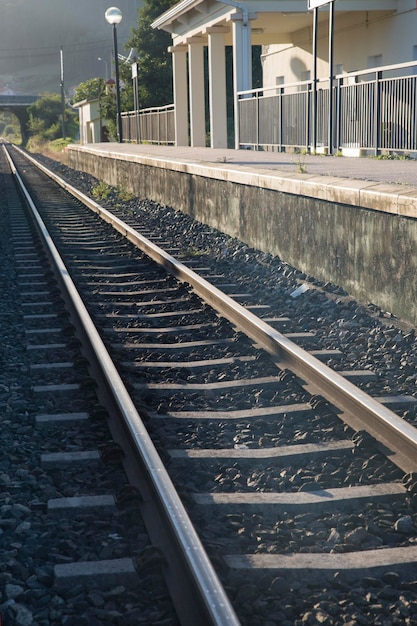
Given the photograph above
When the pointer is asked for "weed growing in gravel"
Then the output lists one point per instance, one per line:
(391, 156)
(101, 190)
(190, 253)
(125, 195)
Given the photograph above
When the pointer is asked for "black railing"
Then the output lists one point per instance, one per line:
(153, 125)
(374, 110)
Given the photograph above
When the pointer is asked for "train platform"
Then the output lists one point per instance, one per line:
(348, 220)
(398, 171)
(388, 185)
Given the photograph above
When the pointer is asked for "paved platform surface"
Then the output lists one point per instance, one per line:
(390, 171)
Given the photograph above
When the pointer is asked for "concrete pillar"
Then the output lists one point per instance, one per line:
(242, 60)
(23, 117)
(196, 86)
(179, 69)
(217, 86)
(81, 122)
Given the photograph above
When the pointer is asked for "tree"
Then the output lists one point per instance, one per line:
(9, 126)
(97, 89)
(154, 60)
(45, 118)
(90, 90)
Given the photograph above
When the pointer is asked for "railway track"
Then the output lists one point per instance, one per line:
(292, 475)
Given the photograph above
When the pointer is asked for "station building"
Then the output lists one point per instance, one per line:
(297, 40)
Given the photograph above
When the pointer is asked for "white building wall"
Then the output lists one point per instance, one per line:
(89, 120)
(359, 38)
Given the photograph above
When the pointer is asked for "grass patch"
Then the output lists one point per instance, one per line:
(52, 149)
(102, 190)
(391, 156)
(125, 195)
(191, 253)
(301, 167)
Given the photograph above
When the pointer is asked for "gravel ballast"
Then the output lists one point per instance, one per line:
(368, 337)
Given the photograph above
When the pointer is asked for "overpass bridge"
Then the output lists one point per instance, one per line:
(18, 105)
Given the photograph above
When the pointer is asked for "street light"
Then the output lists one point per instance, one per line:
(113, 16)
(106, 66)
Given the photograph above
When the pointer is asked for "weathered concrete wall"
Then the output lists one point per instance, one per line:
(370, 253)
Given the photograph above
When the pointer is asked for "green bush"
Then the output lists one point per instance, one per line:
(102, 190)
(45, 118)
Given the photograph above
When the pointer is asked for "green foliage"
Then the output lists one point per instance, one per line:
(102, 190)
(154, 60)
(301, 167)
(90, 90)
(108, 110)
(391, 156)
(45, 118)
(126, 84)
(192, 253)
(57, 145)
(9, 127)
(108, 106)
(93, 89)
(125, 195)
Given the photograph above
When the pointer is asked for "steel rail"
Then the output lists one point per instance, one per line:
(200, 598)
(395, 436)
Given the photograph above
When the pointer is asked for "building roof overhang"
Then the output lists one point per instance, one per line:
(85, 102)
(271, 20)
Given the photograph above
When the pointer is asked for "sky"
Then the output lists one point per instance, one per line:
(33, 31)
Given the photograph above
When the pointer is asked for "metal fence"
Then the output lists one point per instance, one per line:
(153, 125)
(373, 110)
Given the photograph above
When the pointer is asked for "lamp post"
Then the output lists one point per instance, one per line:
(105, 65)
(62, 93)
(113, 16)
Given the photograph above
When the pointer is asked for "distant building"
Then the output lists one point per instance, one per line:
(93, 128)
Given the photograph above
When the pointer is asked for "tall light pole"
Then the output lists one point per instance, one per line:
(113, 16)
(61, 54)
(106, 76)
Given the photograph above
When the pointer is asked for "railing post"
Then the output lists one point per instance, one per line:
(314, 138)
(257, 120)
(281, 116)
(349, 111)
(331, 53)
(137, 122)
(308, 116)
(237, 122)
(338, 110)
(377, 111)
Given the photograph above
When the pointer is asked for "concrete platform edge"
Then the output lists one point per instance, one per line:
(390, 198)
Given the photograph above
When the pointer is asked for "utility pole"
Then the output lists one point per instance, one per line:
(62, 92)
